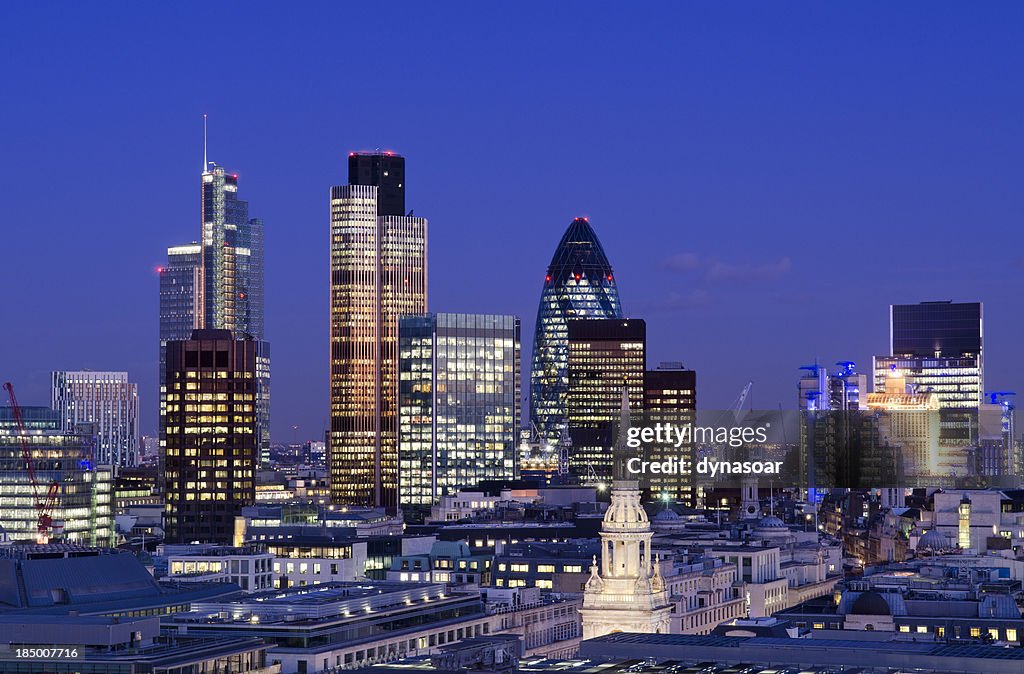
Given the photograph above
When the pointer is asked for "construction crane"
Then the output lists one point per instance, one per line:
(737, 407)
(44, 505)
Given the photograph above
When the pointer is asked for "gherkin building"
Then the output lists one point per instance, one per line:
(579, 284)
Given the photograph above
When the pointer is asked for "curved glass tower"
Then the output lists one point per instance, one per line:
(579, 284)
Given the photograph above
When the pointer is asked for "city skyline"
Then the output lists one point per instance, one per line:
(690, 253)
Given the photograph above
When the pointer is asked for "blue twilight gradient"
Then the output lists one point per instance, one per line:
(765, 177)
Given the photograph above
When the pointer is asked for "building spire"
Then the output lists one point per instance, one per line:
(206, 164)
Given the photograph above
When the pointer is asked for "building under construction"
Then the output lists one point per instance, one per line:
(61, 486)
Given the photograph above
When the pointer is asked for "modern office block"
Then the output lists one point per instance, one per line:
(936, 329)
(579, 284)
(108, 401)
(458, 395)
(211, 430)
(938, 347)
(605, 357)
(670, 397)
(378, 273)
(81, 511)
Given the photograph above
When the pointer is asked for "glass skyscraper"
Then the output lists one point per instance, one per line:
(458, 403)
(378, 273)
(579, 284)
(232, 258)
(181, 300)
(109, 402)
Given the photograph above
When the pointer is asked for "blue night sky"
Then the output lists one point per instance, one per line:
(765, 177)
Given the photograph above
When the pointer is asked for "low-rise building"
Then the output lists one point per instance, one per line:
(249, 566)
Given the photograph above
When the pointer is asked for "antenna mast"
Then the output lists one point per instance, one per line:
(206, 164)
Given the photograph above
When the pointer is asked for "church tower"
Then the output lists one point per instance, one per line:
(627, 593)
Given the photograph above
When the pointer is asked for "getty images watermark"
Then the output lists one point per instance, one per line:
(705, 451)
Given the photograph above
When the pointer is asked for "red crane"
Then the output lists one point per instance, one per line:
(44, 505)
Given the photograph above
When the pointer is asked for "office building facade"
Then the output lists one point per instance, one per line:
(579, 284)
(181, 300)
(232, 257)
(210, 435)
(458, 403)
(939, 348)
(378, 273)
(81, 511)
(670, 397)
(109, 402)
(605, 357)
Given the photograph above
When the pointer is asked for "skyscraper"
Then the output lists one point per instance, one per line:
(232, 257)
(210, 434)
(378, 273)
(109, 402)
(458, 395)
(579, 284)
(606, 356)
(181, 300)
(232, 278)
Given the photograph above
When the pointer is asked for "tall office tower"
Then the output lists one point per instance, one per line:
(210, 436)
(109, 402)
(181, 300)
(458, 403)
(81, 512)
(232, 258)
(378, 273)
(232, 283)
(386, 172)
(670, 397)
(938, 347)
(579, 284)
(605, 357)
